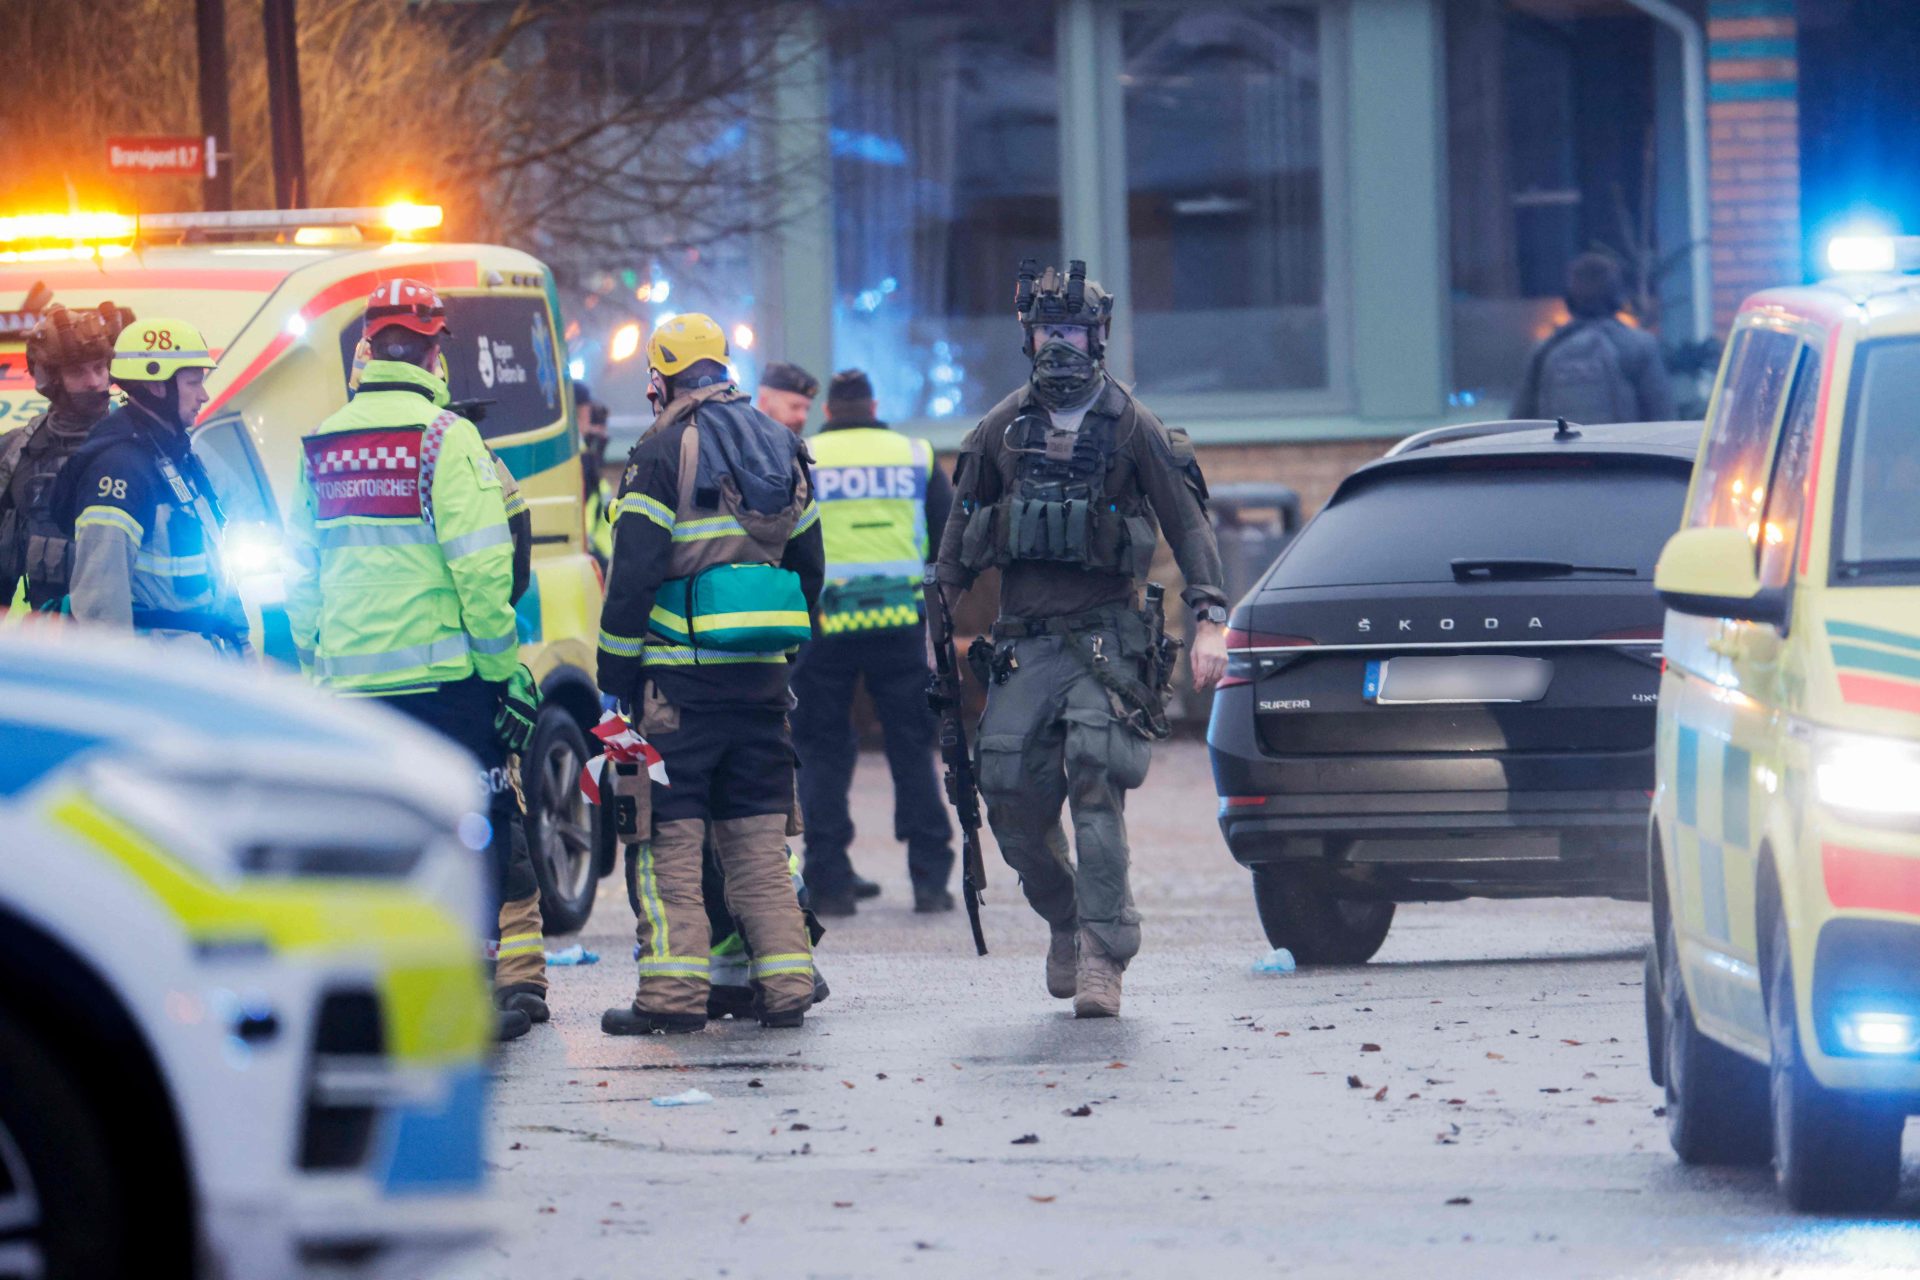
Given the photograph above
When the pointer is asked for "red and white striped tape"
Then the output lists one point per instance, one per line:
(621, 744)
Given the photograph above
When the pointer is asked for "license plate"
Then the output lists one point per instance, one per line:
(1478, 678)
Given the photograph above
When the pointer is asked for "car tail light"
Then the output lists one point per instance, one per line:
(1240, 638)
(1242, 645)
(1632, 641)
(1242, 802)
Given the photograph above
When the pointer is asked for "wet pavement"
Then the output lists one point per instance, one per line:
(1473, 1103)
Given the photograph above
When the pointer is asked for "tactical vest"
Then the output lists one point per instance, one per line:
(726, 597)
(872, 485)
(32, 545)
(1054, 505)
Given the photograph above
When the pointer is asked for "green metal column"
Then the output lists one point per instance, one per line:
(1397, 201)
(1093, 151)
(795, 277)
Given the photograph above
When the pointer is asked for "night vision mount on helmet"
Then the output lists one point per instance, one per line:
(65, 338)
(1049, 298)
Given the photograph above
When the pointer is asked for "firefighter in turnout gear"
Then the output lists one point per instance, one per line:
(1064, 487)
(141, 512)
(882, 496)
(67, 354)
(401, 584)
(717, 568)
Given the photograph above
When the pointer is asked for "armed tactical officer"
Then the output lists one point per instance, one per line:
(67, 354)
(1061, 487)
(400, 586)
(717, 567)
(141, 511)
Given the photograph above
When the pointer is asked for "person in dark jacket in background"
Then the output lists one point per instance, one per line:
(1595, 368)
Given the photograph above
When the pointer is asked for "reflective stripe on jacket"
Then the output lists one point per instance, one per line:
(384, 590)
(145, 530)
(872, 488)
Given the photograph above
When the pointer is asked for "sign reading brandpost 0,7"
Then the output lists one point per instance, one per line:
(161, 156)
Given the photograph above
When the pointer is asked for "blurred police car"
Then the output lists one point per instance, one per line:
(1445, 687)
(242, 1022)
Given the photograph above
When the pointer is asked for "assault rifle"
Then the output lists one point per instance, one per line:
(943, 695)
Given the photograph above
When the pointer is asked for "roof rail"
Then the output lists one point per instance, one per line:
(1475, 430)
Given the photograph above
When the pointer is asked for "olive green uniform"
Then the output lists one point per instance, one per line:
(1071, 519)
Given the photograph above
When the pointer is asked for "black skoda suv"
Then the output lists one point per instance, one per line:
(1445, 686)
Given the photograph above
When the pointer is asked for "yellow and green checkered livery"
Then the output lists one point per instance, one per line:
(872, 486)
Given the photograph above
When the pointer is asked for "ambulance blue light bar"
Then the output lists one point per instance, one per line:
(1872, 254)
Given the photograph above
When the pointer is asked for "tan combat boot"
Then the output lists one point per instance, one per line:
(1061, 959)
(1097, 982)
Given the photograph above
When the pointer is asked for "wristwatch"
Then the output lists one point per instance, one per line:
(1214, 613)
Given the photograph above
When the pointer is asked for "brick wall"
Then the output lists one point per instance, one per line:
(1754, 118)
(1311, 470)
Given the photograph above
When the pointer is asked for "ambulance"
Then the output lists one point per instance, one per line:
(279, 295)
(243, 1024)
(1783, 985)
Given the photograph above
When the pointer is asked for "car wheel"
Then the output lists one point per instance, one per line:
(1656, 1017)
(1831, 1151)
(560, 828)
(1317, 926)
(1716, 1099)
(63, 1215)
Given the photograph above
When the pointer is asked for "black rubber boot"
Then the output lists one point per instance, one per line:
(820, 988)
(510, 1024)
(629, 1021)
(928, 901)
(835, 902)
(725, 1002)
(527, 997)
(864, 888)
(788, 1018)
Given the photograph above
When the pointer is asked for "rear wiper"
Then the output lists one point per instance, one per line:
(1521, 568)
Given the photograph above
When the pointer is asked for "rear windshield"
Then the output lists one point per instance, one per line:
(1411, 527)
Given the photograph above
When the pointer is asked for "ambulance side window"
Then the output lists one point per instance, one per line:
(1787, 490)
(227, 454)
(1731, 486)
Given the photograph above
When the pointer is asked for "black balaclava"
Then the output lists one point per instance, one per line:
(1064, 375)
(74, 415)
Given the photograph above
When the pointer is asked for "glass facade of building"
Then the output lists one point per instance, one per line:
(946, 140)
(1224, 198)
(946, 172)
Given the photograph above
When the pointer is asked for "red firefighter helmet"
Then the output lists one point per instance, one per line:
(407, 304)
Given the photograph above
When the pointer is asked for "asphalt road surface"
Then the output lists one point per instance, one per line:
(1473, 1103)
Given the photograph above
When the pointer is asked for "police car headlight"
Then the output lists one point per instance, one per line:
(1866, 777)
(227, 826)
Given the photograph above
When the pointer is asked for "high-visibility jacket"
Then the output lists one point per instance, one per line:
(401, 569)
(600, 522)
(872, 488)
